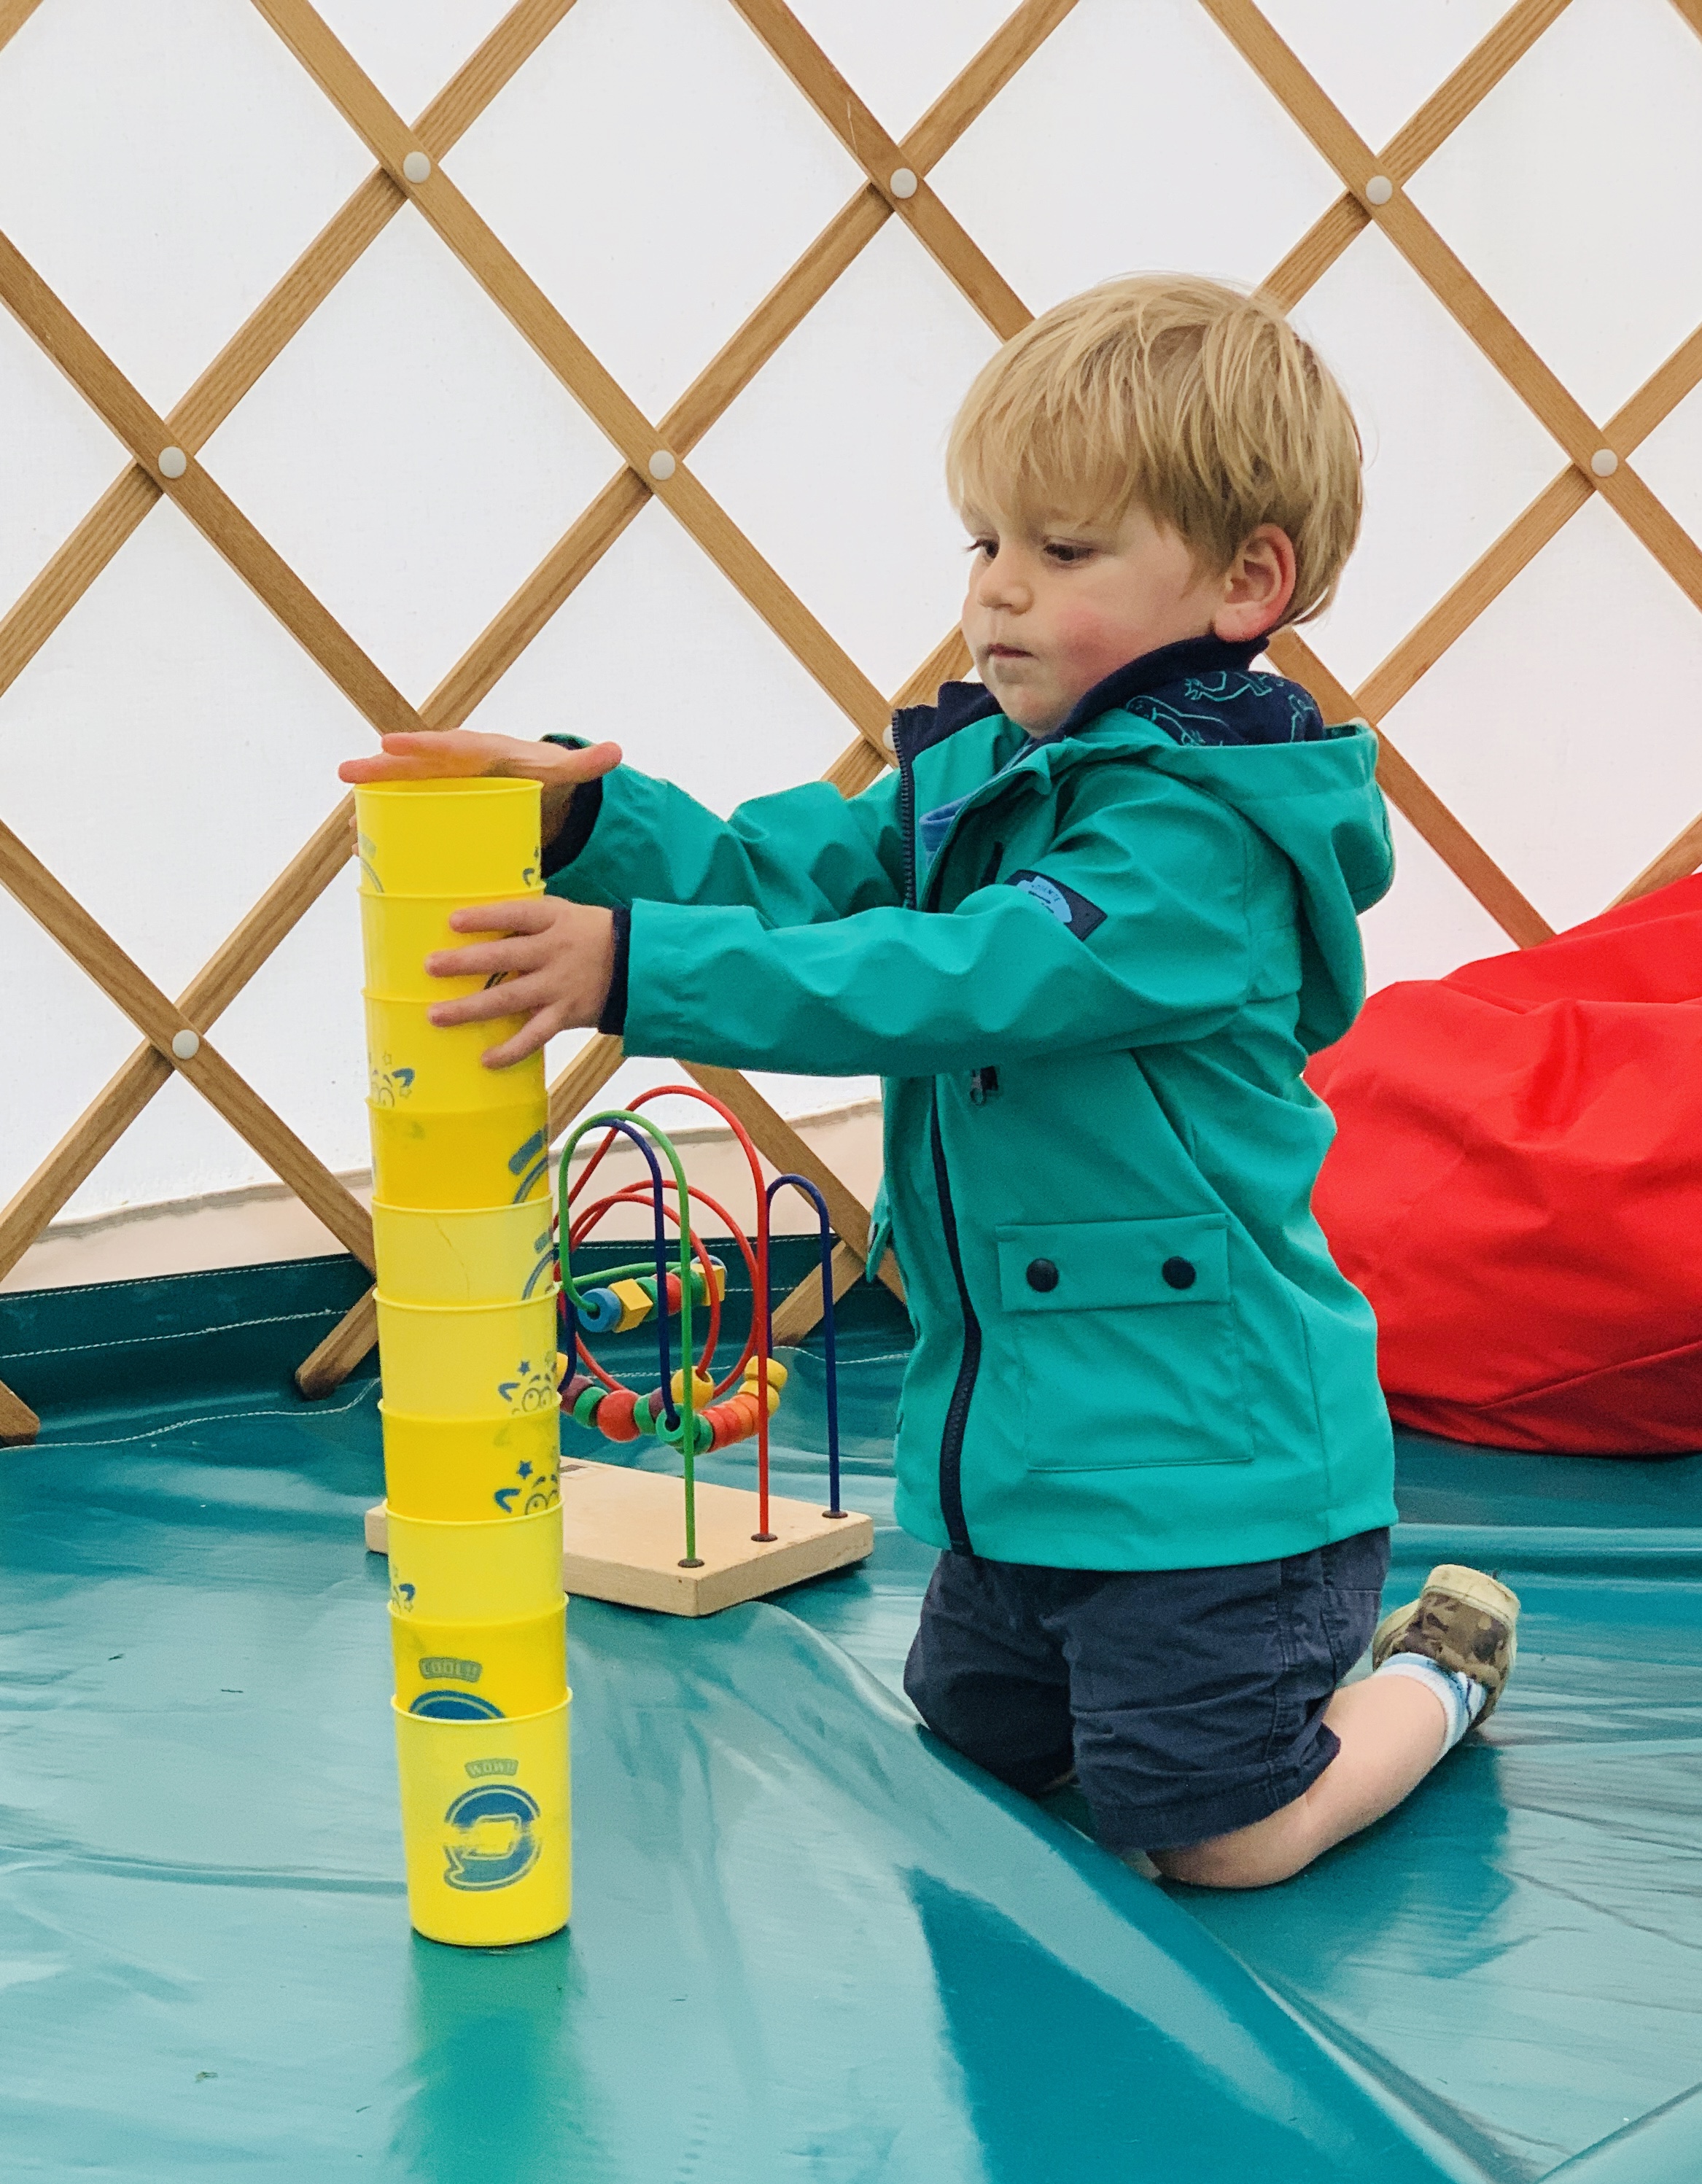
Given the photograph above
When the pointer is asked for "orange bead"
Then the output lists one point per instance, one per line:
(615, 1415)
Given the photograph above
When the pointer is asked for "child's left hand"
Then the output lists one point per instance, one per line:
(556, 967)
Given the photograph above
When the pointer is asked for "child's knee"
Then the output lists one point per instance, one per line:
(1257, 1856)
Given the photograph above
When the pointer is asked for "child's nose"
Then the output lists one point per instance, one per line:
(1002, 585)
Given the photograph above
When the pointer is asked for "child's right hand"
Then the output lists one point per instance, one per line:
(431, 754)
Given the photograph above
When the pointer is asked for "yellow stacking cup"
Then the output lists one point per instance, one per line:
(480, 1671)
(401, 930)
(494, 1571)
(486, 1828)
(485, 1255)
(477, 839)
(486, 1156)
(468, 1361)
(459, 1470)
(433, 1070)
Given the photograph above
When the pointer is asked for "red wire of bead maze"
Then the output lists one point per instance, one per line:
(758, 1343)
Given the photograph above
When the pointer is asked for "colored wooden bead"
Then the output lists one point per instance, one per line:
(615, 1419)
(636, 1306)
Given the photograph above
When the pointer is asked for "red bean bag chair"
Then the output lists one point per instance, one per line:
(1516, 1186)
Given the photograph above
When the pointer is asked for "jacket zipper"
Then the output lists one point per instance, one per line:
(969, 1365)
(906, 815)
(957, 1411)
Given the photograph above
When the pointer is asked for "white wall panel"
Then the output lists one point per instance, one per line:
(656, 172)
(1377, 65)
(411, 456)
(1571, 194)
(161, 166)
(898, 57)
(1452, 454)
(56, 458)
(411, 49)
(1136, 138)
(832, 459)
(1560, 727)
(169, 746)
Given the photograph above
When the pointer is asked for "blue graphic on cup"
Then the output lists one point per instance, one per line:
(534, 1488)
(545, 1271)
(402, 1596)
(390, 1083)
(532, 1387)
(496, 1845)
(454, 1706)
(529, 1163)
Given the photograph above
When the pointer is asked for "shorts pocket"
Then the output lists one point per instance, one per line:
(1123, 1342)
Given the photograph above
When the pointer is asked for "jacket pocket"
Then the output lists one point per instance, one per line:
(1125, 1342)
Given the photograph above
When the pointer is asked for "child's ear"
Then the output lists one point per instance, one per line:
(1257, 587)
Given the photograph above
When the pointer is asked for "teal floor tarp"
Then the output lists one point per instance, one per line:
(807, 1943)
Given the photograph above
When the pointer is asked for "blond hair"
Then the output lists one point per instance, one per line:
(1195, 401)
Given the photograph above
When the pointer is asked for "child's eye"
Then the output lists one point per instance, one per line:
(987, 548)
(1059, 551)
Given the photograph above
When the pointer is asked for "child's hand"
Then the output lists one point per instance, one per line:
(433, 752)
(556, 966)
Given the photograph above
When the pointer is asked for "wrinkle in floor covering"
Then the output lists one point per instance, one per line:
(806, 1942)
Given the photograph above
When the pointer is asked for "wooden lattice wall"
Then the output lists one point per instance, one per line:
(1595, 458)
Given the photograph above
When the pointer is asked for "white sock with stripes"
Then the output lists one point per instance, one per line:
(1462, 1696)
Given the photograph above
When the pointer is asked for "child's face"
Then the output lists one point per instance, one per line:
(1055, 605)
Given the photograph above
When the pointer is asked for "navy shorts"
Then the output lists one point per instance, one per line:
(1190, 1702)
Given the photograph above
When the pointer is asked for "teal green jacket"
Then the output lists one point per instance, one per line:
(1133, 1351)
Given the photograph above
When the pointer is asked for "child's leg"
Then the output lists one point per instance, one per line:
(1442, 1664)
(987, 1675)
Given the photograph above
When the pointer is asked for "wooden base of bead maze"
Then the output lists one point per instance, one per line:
(622, 1540)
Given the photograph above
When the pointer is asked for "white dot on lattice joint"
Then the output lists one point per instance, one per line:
(903, 183)
(1379, 190)
(173, 462)
(1604, 462)
(185, 1044)
(417, 166)
(662, 464)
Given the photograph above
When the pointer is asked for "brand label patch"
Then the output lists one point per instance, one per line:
(1066, 905)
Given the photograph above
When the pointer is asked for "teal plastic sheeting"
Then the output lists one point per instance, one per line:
(807, 1943)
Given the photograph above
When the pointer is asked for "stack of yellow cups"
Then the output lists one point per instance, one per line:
(467, 1341)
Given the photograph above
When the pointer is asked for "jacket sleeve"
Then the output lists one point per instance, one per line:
(797, 858)
(902, 993)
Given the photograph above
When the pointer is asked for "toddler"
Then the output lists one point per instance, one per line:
(1088, 931)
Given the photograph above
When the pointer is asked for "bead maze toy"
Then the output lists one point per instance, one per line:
(620, 1522)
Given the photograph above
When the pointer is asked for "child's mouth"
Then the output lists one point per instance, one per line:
(1006, 652)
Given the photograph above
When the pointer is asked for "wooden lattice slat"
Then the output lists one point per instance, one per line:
(90, 546)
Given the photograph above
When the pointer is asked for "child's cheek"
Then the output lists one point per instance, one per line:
(1091, 643)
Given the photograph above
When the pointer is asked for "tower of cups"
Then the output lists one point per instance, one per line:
(467, 1350)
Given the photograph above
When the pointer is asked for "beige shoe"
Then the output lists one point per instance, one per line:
(1464, 1620)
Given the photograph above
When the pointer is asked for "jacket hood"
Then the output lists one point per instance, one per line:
(1315, 801)
(1319, 804)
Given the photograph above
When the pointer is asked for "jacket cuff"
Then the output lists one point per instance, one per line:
(583, 814)
(613, 1019)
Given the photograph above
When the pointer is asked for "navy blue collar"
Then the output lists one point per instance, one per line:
(916, 728)
(1156, 671)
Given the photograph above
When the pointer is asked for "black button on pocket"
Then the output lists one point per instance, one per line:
(1043, 1274)
(1179, 1274)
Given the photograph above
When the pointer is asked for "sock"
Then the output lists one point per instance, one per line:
(1462, 1696)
